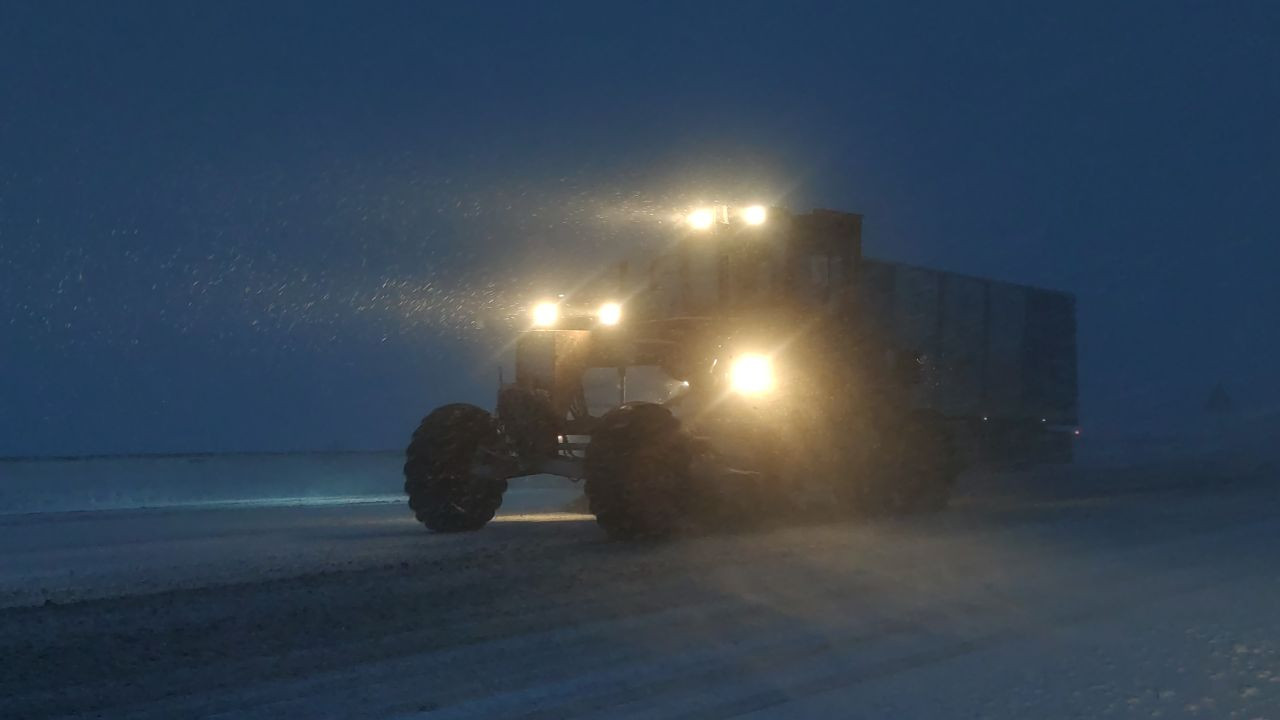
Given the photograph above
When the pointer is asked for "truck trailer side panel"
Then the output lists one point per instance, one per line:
(959, 382)
(999, 358)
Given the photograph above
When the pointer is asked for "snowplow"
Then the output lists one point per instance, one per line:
(759, 369)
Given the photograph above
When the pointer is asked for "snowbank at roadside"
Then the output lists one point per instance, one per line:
(115, 483)
(108, 483)
(1246, 442)
(1231, 448)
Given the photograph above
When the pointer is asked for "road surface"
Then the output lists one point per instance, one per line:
(1151, 602)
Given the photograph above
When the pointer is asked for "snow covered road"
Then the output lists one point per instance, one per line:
(64, 557)
(1157, 603)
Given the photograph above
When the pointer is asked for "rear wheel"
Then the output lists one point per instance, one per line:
(637, 472)
(918, 469)
(444, 490)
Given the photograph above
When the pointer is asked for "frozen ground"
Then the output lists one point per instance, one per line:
(1081, 594)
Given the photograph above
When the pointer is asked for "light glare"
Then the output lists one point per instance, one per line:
(701, 219)
(610, 313)
(751, 374)
(545, 314)
(755, 215)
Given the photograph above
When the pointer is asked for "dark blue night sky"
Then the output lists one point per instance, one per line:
(270, 226)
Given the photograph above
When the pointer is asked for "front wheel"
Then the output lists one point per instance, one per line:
(445, 492)
(637, 470)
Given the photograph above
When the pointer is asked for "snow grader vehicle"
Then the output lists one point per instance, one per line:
(796, 379)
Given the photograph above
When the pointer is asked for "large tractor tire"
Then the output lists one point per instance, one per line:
(444, 492)
(637, 472)
(918, 468)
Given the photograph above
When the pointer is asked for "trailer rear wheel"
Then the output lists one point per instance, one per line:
(444, 491)
(637, 472)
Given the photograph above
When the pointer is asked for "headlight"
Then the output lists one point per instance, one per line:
(701, 219)
(545, 314)
(610, 313)
(751, 374)
(755, 215)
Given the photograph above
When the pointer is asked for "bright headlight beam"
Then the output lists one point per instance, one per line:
(755, 215)
(701, 219)
(751, 374)
(545, 314)
(609, 313)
